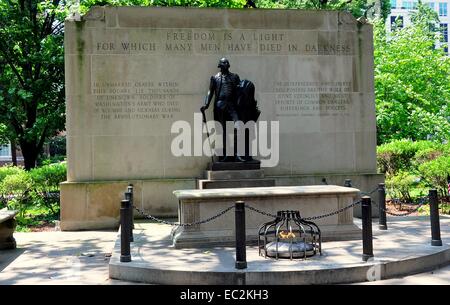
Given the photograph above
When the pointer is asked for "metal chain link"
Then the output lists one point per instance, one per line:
(369, 193)
(307, 218)
(334, 212)
(148, 216)
(260, 211)
(422, 202)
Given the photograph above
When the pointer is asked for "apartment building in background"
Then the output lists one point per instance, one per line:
(6, 157)
(400, 9)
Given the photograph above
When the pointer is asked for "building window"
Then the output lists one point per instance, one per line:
(5, 151)
(431, 5)
(442, 9)
(444, 31)
(409, 5)
(393, 3)
(396, 22)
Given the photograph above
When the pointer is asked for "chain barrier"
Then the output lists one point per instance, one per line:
(335, 212)
(260, 211)
(422, 202)
(148, 216)
(307, 218)
(369, 193)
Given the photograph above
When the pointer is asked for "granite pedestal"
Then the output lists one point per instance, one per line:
(216, 179)
(195, 205)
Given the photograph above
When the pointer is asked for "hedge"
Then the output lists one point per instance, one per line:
(409, 164)
(20, 189)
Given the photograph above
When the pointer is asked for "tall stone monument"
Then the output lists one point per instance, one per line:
(132, 72)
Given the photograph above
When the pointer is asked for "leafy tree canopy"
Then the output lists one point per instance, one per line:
(32, 72)
(3, 134)
(356, 7)
(412, 80)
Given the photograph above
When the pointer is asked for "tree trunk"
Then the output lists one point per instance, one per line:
(30, 154)
(14, 153)
(29, 161)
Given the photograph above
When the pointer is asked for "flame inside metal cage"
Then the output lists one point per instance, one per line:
(289, 236)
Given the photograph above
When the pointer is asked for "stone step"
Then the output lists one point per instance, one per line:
(236, 183)
(221, 166)
(233, 174)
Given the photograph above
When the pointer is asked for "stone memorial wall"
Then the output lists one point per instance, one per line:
(131, 72)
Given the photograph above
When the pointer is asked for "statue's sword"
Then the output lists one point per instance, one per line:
(207, 134)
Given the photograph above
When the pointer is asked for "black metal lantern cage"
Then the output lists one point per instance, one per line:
(289, 236)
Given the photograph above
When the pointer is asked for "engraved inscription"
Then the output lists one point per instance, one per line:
(237, 41)
(136, 100)
(312, 98)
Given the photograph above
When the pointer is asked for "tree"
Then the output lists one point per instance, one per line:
(412, 81)
(357, 7)
(32, 72)
(86, 4)
(3, 134)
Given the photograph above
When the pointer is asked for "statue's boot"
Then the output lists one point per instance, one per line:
(226, 159)
(240, 159)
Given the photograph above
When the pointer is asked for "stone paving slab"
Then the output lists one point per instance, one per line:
(403, 249)
(60, 258)
(435, 277)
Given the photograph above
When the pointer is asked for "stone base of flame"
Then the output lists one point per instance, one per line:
(195, 205)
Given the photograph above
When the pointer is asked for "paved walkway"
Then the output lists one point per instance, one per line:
(436, 277)
(58, 258)
(83, 257)
(404, 247)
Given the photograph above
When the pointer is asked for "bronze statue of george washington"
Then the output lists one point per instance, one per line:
(232, 98)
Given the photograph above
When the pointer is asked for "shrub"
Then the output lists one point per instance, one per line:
(398, 155)
(436, 172)
(39, 187)
(444, 208)
(48, 177)
(9, 170)
(18, 187)
(400, 185)
(426, 155)
(446, 149)
(46, 180)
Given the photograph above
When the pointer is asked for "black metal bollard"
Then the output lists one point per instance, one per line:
(125, 227)
(130, 189)
(434, 219)
(241, 256)
(129, 196)
(366, 211)
(348, 183)
(382, 225)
